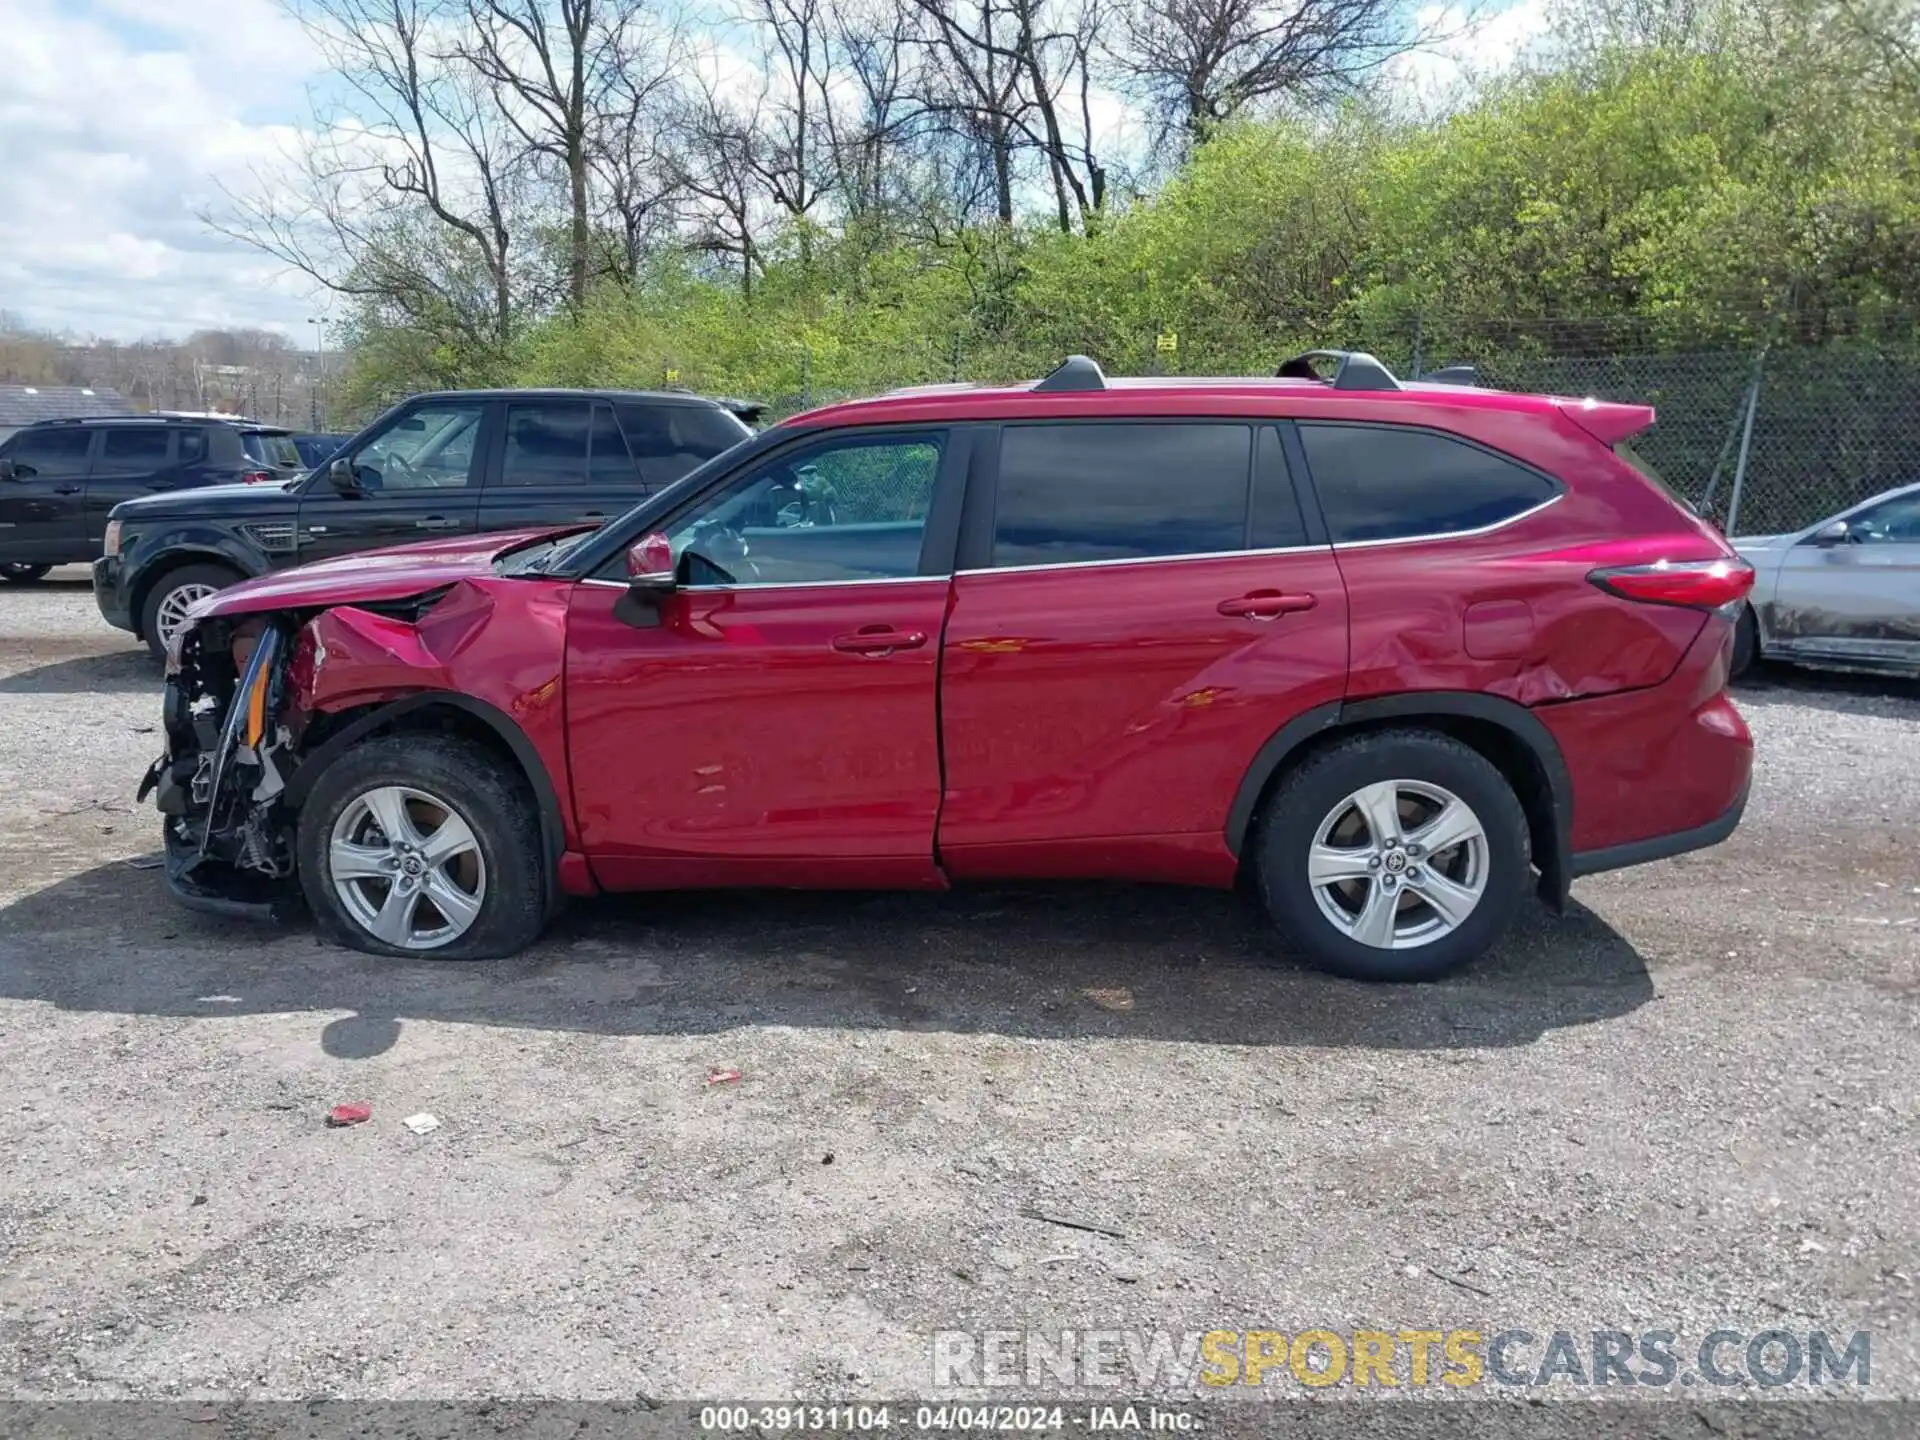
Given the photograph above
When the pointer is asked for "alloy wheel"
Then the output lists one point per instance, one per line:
(1398, 864)
(407, 867)
(171, 614)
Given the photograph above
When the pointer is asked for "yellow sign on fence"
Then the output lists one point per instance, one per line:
(1168, 343)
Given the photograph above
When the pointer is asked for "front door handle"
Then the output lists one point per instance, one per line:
(1265, 605)
(879, 640)
(66, 489)
(593, 515)
(436, 522)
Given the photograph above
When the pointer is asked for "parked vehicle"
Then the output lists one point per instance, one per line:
(1385, 650)
(1843, 594)
(318, 449)
(59, 479)
(447, 464)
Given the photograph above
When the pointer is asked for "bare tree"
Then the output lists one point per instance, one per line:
(631, 153)
(554, 66)
(411, 189)
(974, 80)
(721, 157)
(1203, 61)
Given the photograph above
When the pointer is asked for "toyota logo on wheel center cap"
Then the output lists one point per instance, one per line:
(1396, 861)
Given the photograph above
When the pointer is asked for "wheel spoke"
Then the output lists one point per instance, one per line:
(1379, 806)
(455, 905)
(1328, 864)
(1374, 924)
(349, 861)
(1452, 825)
(388, 806)
(454, 837)
(1450, 900)
(394, 923)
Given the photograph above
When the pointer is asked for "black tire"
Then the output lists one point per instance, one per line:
(217, 576)
(1746, 643)
(1306, 796)
(20, 574)
(484, 790)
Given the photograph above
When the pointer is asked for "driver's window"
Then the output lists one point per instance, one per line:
(430, 448)
(1892, 522)
(854, 510)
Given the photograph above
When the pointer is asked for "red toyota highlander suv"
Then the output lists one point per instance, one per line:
(1388, 651)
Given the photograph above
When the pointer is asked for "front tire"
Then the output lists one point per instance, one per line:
(18, 574)
(165, 608)
(1394, 855)
(423, 847)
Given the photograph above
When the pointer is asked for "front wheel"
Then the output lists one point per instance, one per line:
(173, 595)
(424, 847)
(1396, 855)
(18, 574)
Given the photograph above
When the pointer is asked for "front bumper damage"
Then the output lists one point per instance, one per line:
(231, 730)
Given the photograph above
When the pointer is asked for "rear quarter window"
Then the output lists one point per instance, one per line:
(667, 441)
(1384, 482)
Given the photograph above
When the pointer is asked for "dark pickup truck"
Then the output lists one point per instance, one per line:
(460, 462)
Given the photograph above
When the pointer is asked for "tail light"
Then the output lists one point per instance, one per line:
(1698, 584)
(255, 477)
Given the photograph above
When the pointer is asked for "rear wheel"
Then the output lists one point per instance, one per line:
(1746, 643)
(1396, 855)
(423, 846)
(173, 595)
(23, 574)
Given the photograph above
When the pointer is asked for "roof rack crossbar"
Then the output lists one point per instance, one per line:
(1353, 370)
(1076, 372)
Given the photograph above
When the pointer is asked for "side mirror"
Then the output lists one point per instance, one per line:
(650, 565)
(340, 475)
(7, 471)
(1834, 532)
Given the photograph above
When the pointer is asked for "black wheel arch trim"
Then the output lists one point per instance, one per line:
(1555, 866)
(553, 832)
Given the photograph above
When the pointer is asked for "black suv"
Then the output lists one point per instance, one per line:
(456, 463)
(60, 478)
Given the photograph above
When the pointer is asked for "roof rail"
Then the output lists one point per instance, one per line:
(1355, 370)
(1451, 375)
(1076, 372)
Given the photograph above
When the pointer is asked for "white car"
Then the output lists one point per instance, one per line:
(1840, 595)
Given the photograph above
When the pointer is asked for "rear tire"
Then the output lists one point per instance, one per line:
(1746, 643)
(18, 574)
(501, 877)
(159, 612)
(1356, 902)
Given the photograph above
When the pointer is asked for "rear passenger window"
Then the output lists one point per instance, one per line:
(1379, 482)
(546, 444)
(610, 464)
(133, 448)
(1072, 493)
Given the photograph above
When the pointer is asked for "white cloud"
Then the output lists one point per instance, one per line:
(119, 120)
(1466, 50)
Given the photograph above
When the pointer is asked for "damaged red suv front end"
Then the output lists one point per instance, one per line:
(276, 677)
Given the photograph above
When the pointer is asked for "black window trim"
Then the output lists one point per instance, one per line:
(1305, 471)
(938, 539)
(976, 538)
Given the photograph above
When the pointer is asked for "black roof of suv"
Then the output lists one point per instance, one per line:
(445, 463)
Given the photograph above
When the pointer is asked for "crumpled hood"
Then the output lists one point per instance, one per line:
(370, 575)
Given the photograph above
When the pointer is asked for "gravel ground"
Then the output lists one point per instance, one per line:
(1690, 1105)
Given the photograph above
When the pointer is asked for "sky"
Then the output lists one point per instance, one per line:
(121, 120)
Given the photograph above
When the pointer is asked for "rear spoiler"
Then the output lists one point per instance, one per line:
(1608, 421)
(748, 411)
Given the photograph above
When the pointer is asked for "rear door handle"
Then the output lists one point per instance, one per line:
(879, 640)
(1265, 605)
(436, 522)
(66, 489)
(590, 515)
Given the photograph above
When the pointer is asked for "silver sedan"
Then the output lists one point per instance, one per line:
(1840, 595)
